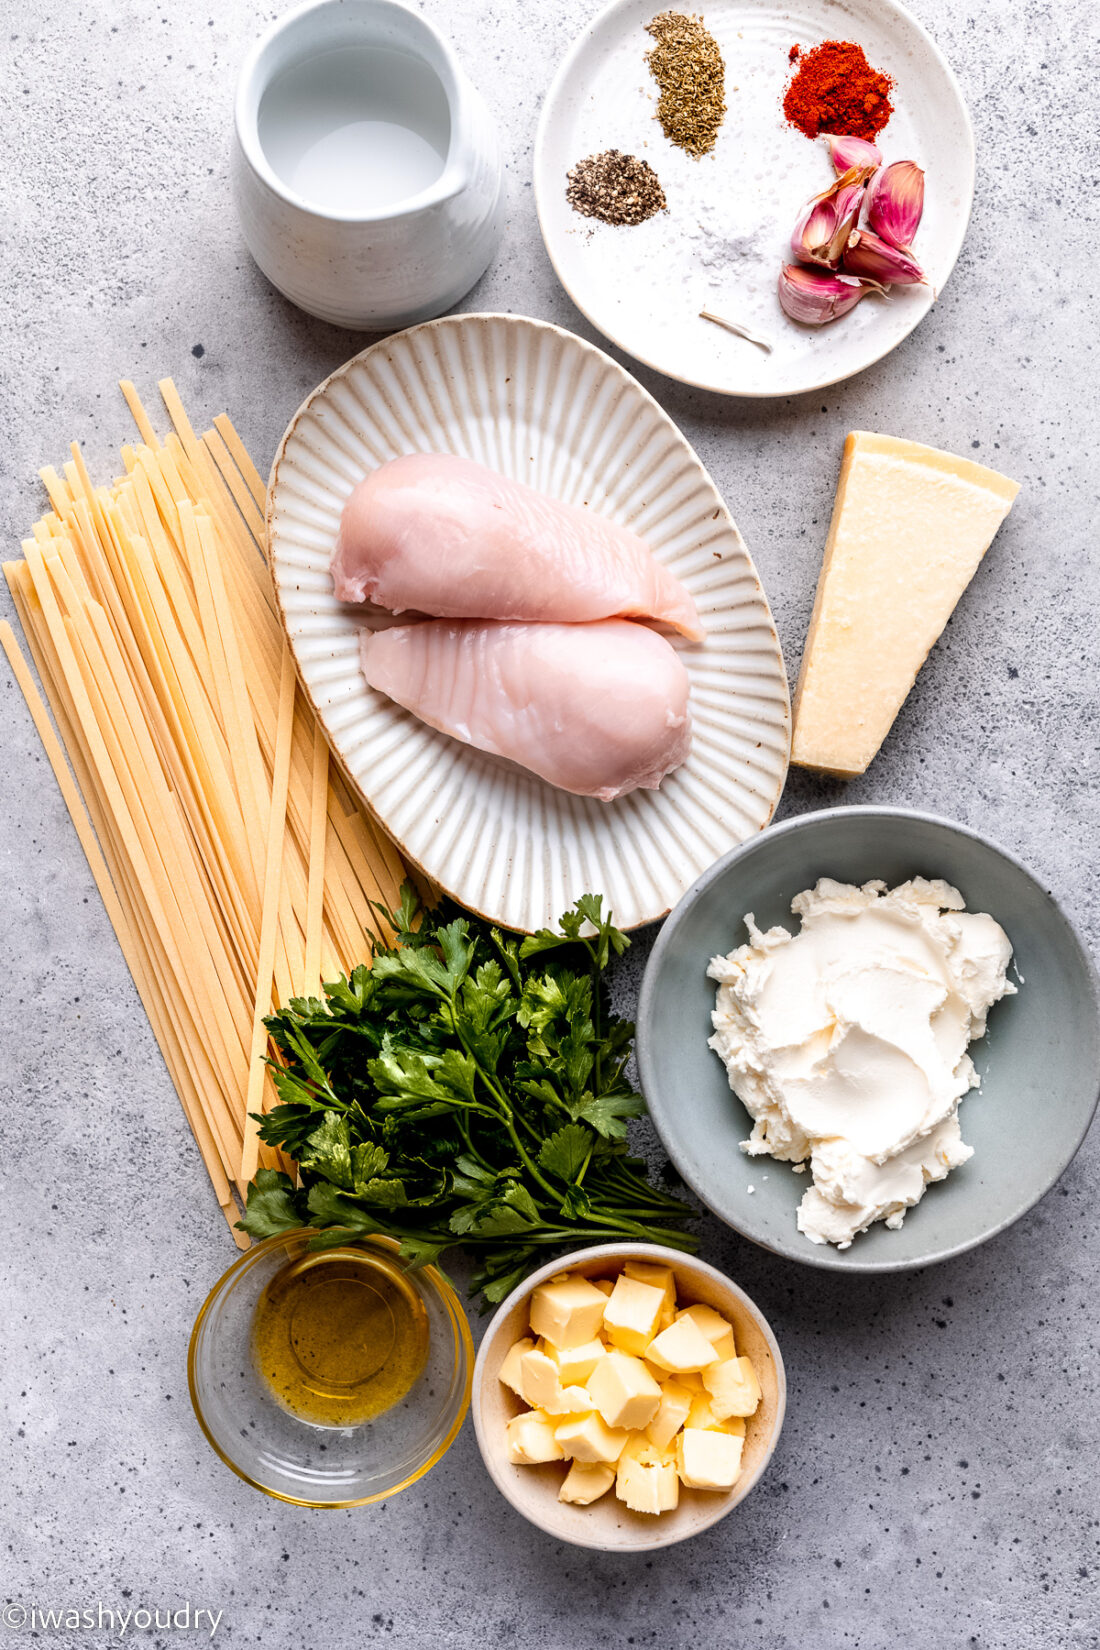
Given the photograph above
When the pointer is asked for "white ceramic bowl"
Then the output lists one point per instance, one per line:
(541, 406)
(726, 233)
(607, 1525)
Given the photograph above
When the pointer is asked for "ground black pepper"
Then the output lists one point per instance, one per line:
(615, 188)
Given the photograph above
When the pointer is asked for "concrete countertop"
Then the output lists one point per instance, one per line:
(936, 1481)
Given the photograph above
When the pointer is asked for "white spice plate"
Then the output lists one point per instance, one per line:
(541, 406)
(726, 233)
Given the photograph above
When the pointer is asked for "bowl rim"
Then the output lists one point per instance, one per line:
(567, 70)
(823, 1255)
(463, 1341)
(649, 1542)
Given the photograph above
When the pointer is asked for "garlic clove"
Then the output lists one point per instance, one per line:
(895, 202)
(852, 151)
(814, 296)
(826, 220)
(870, 257)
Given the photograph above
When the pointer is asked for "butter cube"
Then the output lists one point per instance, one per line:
(604, 1285)
(708, 1460)
(624, 1391)
(510, 1368)
(681, 1348)
(567, 1311)
(662, 1278)
(702, 1417)
(531, 1439)
(647, 1480)
(575, 1363)
(717, 1329)
(675, 1406)
(541, 1386)
(586, 1481)
(733, 1387)
(631, 1318)
(589, 1438)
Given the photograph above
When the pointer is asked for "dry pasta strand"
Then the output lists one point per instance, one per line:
(235, 866)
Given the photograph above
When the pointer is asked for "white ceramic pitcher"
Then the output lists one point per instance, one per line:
(399, 264)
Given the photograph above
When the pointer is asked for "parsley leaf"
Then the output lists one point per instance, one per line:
(468, 1086)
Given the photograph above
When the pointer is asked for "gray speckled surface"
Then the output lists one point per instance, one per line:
(937, 1479)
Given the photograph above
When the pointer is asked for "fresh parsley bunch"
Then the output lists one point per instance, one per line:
(466, 1088)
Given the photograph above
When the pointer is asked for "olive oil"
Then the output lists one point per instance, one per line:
(339, 1337)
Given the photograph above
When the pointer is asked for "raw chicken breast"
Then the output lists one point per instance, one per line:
(433, 533)
(598, 709)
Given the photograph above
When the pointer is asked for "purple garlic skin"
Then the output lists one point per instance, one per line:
(826, 220)
(895, 203)
(870, 257)
(815, 296)
(852, 151)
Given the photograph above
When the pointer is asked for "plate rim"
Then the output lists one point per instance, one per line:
(340, 372)
(565, 72)
(824, 1256)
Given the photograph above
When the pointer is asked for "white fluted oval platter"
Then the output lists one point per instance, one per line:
(541, 406)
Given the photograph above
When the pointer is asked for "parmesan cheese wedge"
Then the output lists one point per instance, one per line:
(910, 525)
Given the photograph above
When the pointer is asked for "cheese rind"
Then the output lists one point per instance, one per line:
(910, 525)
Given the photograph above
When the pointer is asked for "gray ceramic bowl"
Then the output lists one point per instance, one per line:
(1039, 1063)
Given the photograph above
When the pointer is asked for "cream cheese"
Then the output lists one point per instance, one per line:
(847, 1042)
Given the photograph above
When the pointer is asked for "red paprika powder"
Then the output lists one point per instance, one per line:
(835, 89)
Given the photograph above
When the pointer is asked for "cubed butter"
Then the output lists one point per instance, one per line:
(647, 1479)
(702, 1417)
(662, 1278)
(733, 1387)
(568, 1311)
(531, 1439)
(632, 1314)
(541, 1386)
(589, 1438)
(681, 1348)
(624, 1391)
(708, 1460)
(575, 1363)
(586, 1481)
(604, 1285)
(675, 1406)
(717, 1329)
(510, 1368)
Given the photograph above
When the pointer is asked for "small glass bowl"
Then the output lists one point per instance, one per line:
(295, 1460)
